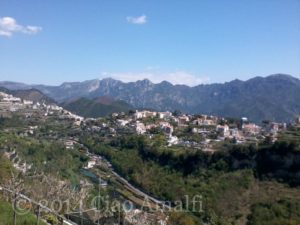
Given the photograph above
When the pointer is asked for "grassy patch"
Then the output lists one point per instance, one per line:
(6, 216)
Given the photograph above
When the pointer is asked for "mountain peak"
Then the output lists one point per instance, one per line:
(166, 83)
(281, 76)
(145, 81)
(109, 81)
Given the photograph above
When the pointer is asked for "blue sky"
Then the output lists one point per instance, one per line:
(190, 42)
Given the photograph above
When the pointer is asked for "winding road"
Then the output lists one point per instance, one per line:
(125, 182)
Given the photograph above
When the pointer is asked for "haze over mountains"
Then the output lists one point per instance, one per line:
(276, 97)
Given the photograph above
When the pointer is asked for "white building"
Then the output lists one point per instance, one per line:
(223, 129)
(27, 102)
(122, 122)
(55, 107)
(173, 140)
(166, 127)
(298, 120)
(69, 144)
(91, 164)
(164, 115)
(183, 120)
(144, 114)
(10, 98)
(140, 128)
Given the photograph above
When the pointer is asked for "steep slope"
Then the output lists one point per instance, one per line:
(29, 94)
(69, 90)
(97, 107)
(33, 95)
(275, 97)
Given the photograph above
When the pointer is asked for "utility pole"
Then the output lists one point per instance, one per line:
(16, 186)
(15, 208)
(38, 215)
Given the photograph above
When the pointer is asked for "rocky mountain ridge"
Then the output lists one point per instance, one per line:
(275, 97)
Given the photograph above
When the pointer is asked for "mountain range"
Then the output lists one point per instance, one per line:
(275, 97)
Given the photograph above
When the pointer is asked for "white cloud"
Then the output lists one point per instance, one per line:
(176, 77)
(137, 20)
(9, 26)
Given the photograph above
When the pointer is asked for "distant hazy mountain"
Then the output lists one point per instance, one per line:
(101, 106)
(29, 94)
(14, 85)
(276, 97)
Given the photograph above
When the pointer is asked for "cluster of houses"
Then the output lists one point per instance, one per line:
(146, 113)
(164, 126)
(203, 125)
(145, 122)
(9, 104)
(18, 164)
(210, 129)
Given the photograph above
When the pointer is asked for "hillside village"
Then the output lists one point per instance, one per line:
(202, 132)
